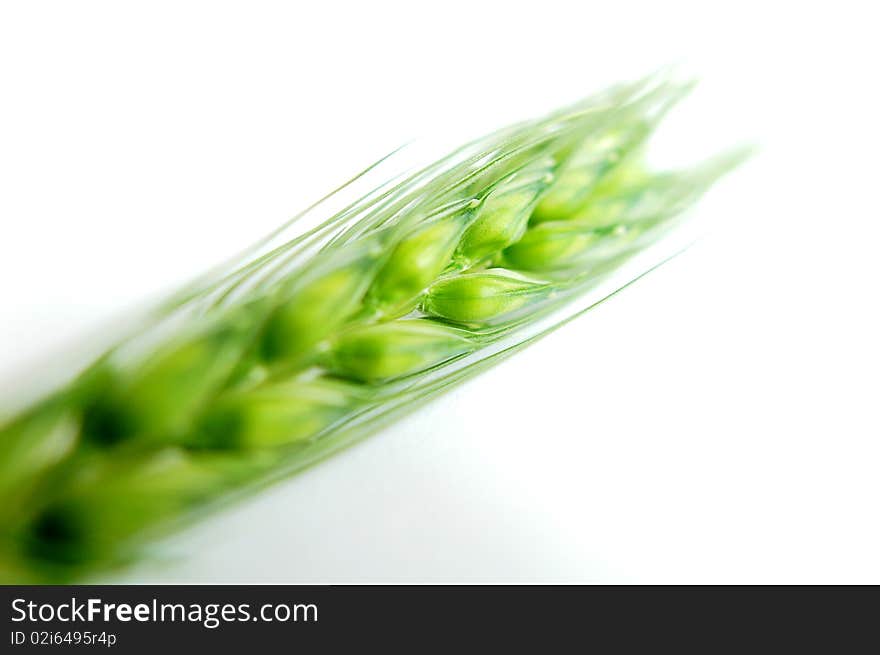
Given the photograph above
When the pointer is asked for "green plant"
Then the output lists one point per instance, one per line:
(251, 374)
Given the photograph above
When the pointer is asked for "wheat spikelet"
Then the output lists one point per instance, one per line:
(263, 370)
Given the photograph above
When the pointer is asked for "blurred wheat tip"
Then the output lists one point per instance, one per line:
(315, 338)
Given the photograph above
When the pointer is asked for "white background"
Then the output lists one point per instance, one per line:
(717, 422)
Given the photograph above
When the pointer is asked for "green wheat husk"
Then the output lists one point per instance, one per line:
(310, 342)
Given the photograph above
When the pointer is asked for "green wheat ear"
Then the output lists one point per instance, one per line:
(312, 342)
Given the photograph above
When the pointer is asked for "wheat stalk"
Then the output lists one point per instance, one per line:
(403, 292)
